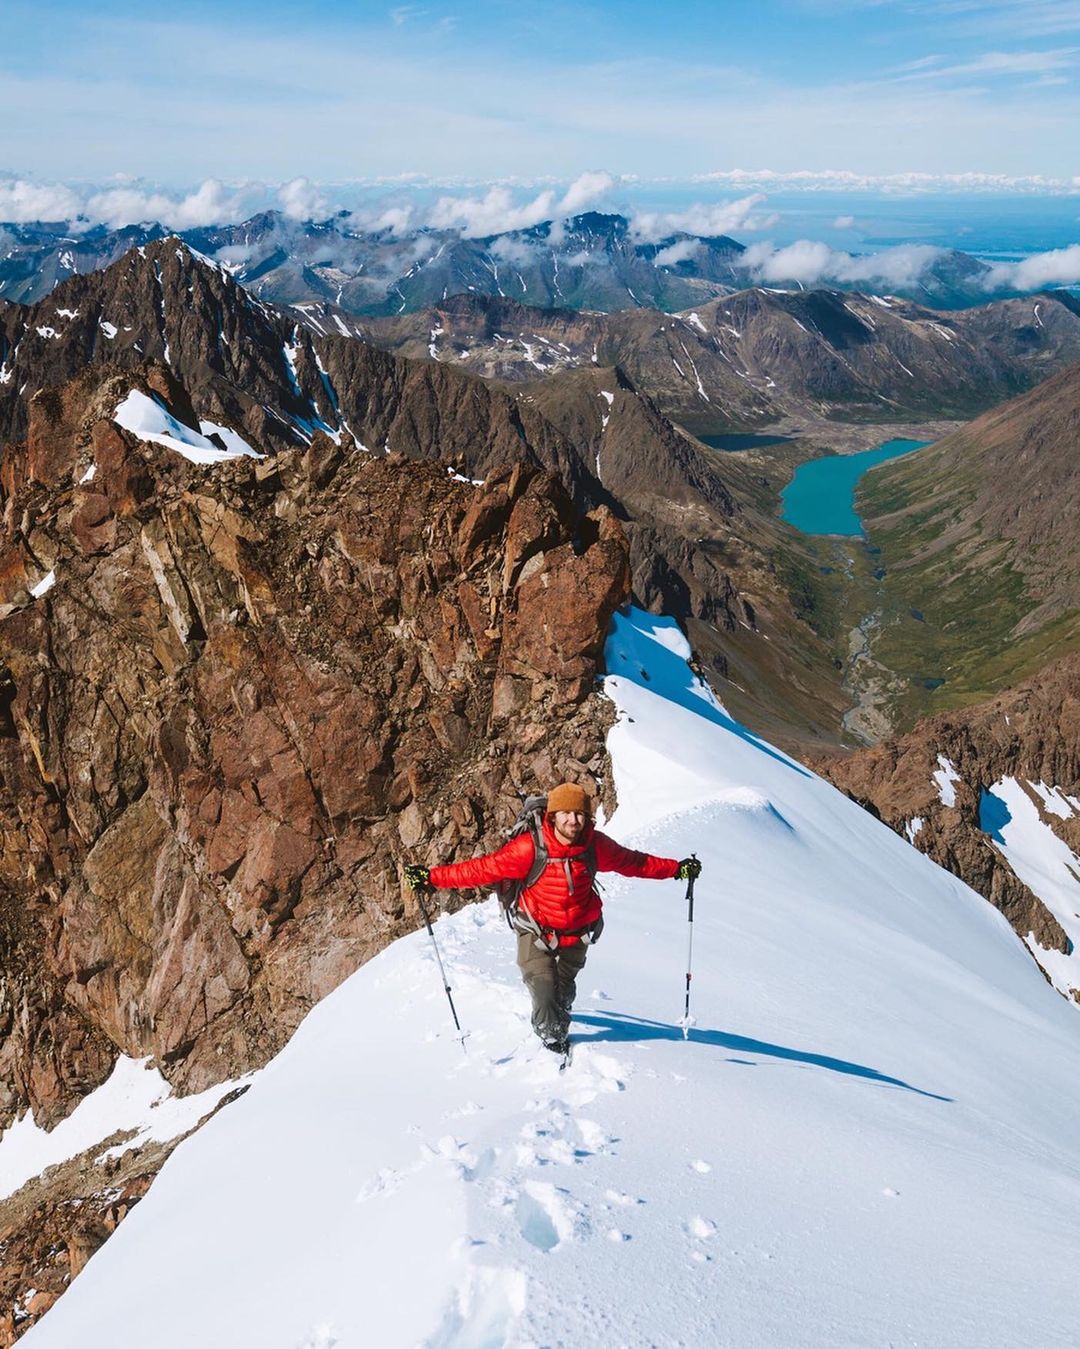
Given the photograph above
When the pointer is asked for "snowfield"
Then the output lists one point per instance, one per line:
(870, 1138)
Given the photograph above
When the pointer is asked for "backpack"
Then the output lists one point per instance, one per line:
(530, 818)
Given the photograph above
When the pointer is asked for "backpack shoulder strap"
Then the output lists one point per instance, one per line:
(540, 857)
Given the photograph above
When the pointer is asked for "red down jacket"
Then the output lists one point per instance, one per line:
(563, 899)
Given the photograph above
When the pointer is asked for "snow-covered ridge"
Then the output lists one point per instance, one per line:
(871, 1136)
(148, 419)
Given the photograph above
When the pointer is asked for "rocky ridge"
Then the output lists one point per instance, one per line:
(1030, 733)
(253, 690)
(701, 550)
(762, 357)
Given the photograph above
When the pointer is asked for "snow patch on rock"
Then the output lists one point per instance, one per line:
(946, 778)
(148, 419)
(135, 1097)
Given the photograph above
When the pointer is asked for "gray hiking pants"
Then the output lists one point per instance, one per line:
(550, 978)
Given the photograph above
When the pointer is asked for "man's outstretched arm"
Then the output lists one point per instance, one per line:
(511, 862)
(612, 856)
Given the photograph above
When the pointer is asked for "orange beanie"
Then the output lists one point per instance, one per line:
(568, 796)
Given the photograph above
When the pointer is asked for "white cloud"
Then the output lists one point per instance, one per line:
(497, 212)
(236, 255)
(210, 204)
(681, 251)
(707, 221)
(492, 213)
(1059, 267)
(22, 201)
(843, 222)
(514, 252)
(809, 262)
(370, 220)
(301, 200)
(584, 191)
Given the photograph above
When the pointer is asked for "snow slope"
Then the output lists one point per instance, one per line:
(870, 1138)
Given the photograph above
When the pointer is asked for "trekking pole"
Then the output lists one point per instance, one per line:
(686, 1023)
(442, 972)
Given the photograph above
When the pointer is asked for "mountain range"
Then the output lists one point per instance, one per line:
(592, 261)
(763, 357)
(280, 381)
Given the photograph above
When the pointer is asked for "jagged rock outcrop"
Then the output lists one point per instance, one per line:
(251, 692)
(1031, 733)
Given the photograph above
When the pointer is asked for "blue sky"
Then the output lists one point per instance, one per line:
(487, 89)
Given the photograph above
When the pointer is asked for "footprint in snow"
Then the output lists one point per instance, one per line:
(550, 1140)
(384, 1182)
(548, 1216)
(701, 1167)
(702, 1228)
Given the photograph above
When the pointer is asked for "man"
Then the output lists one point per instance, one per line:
(559, 913)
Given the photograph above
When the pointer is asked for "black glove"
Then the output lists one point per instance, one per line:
(416, 878)
(689, 869)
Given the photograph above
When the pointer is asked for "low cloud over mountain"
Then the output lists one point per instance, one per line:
(810, 262)
(1058, 267)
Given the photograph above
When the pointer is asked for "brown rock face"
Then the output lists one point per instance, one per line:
(253, 691)
(1031, 733)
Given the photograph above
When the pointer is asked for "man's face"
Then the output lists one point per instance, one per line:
(569, 824)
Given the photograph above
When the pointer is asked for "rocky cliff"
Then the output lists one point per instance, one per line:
(233, 699)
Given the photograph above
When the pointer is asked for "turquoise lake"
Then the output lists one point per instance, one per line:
(820, 499)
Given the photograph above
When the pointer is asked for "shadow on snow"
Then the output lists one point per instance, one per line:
(615, 1026)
